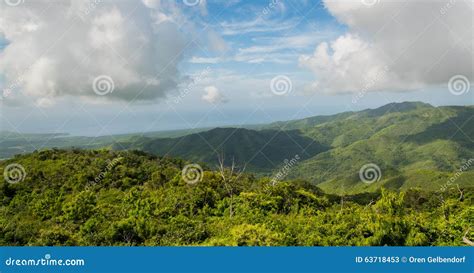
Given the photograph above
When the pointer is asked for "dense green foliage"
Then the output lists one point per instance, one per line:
(131, 198)
(414, 144)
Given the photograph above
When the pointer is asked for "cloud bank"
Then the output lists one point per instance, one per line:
(58, 49)
(394, 45)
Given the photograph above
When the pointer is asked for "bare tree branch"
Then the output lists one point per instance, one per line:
(466, 240)
(230, 175)
(461, 193)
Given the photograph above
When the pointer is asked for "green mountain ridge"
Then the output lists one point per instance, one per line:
(401, 143)
(414, 144)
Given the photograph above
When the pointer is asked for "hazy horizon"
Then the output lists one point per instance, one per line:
(261, 119)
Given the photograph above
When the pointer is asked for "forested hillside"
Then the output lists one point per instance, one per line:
(259, 151)
(102, 197)
(413, 144)
(410, 144)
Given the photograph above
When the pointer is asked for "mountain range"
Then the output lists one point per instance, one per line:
(412, 144)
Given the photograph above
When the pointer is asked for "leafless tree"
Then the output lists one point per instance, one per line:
(343, 196)
(443, 206)
(466, 240)
(461, 193)
(230, 176)
(370, 204)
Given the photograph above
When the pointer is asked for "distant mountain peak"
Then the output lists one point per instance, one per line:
(395, 107)
(227, 129)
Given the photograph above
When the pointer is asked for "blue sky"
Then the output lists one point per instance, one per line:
(188, 64)
(261, 38)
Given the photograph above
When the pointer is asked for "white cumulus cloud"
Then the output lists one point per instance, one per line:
(57, 50)
(213, 95)
(394, 45)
